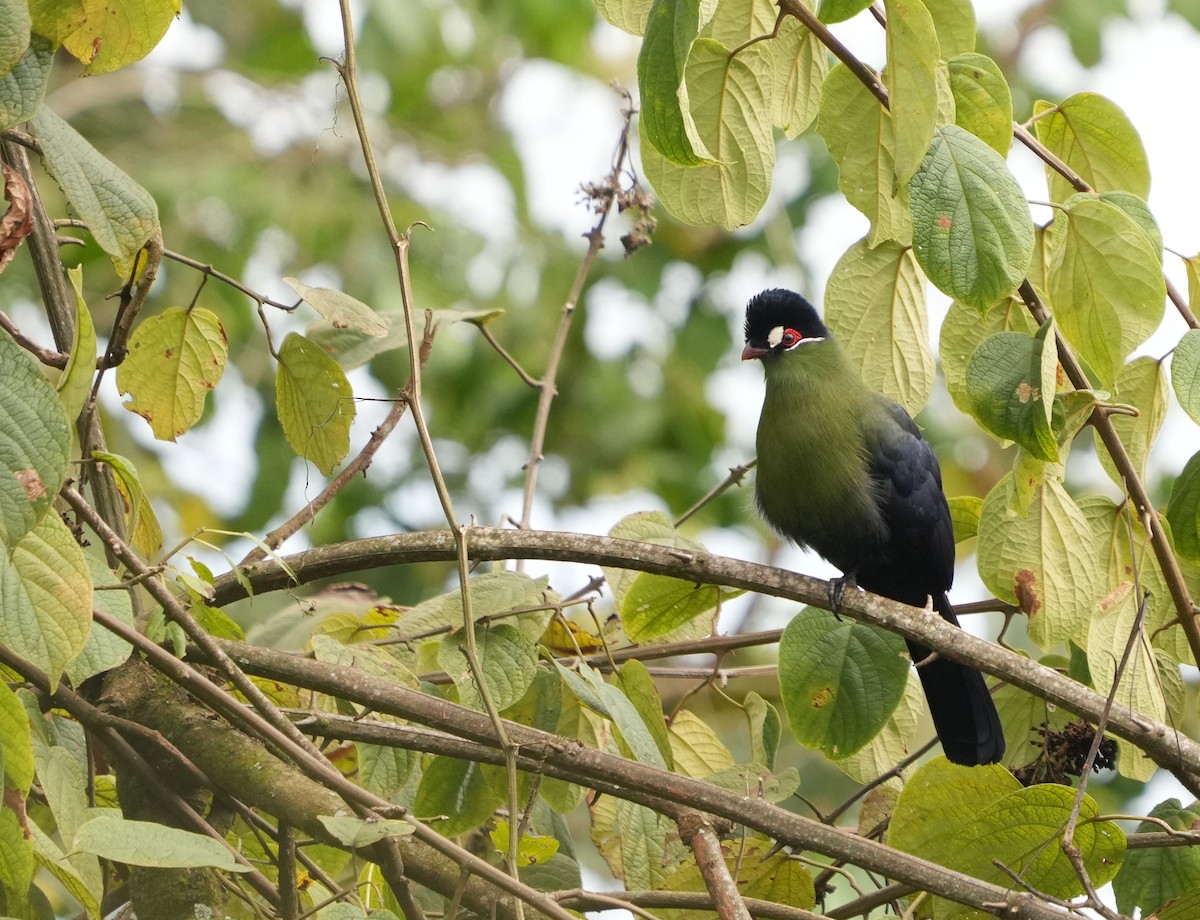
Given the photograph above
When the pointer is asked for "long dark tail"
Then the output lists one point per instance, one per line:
(963, 712)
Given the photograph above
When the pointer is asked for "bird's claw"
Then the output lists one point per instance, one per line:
(837, 588)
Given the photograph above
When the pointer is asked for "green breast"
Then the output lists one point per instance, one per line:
(813, 482)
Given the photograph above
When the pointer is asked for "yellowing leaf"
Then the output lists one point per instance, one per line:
(696, 749)
(1143, 385)
(174, 359)
(339, 309)
(1043, 559)
(141, 520)
(118, 32)
(730, 104)
(314, 402)
(875, 304)
(1095, 138)
(982, 100)
(800, 66)
(1185, 372)
(912, 55)
(861, 139)
(1105, 282)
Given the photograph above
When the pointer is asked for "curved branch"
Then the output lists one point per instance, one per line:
(1166, 745)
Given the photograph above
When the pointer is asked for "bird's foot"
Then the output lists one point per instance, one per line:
(837, 588)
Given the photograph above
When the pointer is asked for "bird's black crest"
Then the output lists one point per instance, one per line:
(781, 307)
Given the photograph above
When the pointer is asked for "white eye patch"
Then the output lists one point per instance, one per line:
(775, 336)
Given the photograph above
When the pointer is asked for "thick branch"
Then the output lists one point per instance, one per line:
(1166, 745)
(630, 780)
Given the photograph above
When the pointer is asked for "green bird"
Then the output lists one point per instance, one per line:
(844, 471)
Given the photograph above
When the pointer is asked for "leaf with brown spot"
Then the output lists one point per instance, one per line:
(18, 219)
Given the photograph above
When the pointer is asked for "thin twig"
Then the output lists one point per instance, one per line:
(348, 70)
(735, 477)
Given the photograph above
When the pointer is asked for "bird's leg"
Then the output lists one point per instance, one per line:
(837, 587)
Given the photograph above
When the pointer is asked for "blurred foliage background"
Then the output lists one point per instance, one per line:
(487, 117)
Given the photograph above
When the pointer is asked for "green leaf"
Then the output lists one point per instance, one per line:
(370, 659)
(1105, 282)
(861, 139)
(832, 11)
(23, 88)
(652, 606)
(1143, 385)
(955, 24)
(971, 228)
(507, 659)
(731, 106)
(456, 791)
(996, 820)
(800, 66)
(635, 681)
(1152, 877)
(1010, 385)
(103, 650)
(147, 843)
(45, 597)
(340, 310)
(875, 304)
(119, 213)
(491, 593)
(16, 857)
(840, 681)
(1023, 717)
(695, 747)
(1094, 137)
(314, 402)
(1043, 559)
(14, 33)
(75, 383)
(982, 100)
(174, 359)
(384, 770)
(532, 849)
(1183, 511)
(16, 744)
(611, 703)
(1185, 373)
(893, 743)
(56, 19)
(627, 15)
(912, 57)
(113, 34)
(1137, 209)
(942, 796)
(965, 511)
(963, 331)
(671, 29)
(1184, 908)
(141, 520)
(360, 832)
(1022, 830)
(640, 846)
(34, 440)
(766, 730)
(351, 347)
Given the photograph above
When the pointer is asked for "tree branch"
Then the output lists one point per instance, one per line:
(1166, 745)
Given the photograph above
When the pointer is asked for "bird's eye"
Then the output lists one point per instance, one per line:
(789, 338)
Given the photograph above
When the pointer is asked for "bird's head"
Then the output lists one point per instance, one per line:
(779, 321)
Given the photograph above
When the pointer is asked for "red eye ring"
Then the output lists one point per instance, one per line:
(790, 338)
